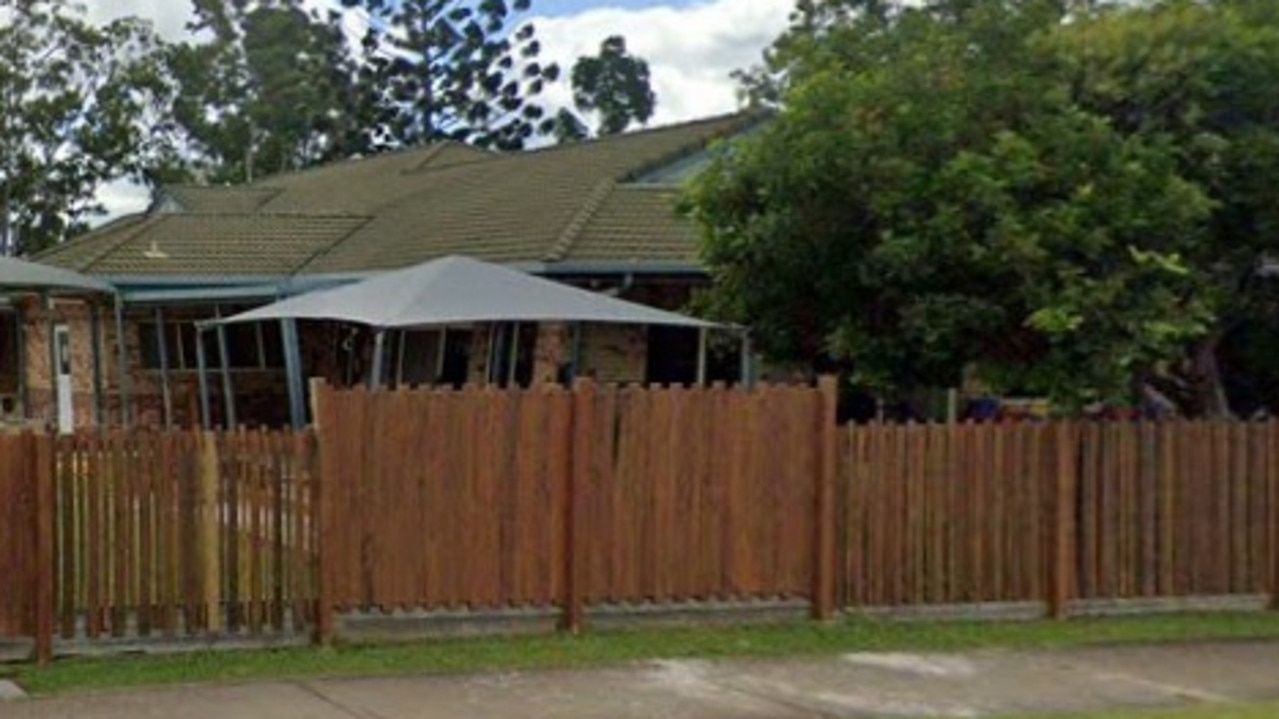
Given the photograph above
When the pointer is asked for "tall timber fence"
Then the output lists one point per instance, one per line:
(570, 500)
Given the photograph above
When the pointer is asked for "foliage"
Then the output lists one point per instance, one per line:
(78, 107)
(451, 69)
(934, 197)
(269, 90)
(615, 85)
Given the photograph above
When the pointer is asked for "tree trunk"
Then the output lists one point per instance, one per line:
(1207, 375)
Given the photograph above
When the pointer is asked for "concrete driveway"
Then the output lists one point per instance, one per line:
(851, 686)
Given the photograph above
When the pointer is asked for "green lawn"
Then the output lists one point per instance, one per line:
(617, 647)
(1207, 711)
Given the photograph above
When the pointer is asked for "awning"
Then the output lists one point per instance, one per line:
(26, 276)
(459, 290)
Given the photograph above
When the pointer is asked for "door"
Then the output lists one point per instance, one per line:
(63, 386)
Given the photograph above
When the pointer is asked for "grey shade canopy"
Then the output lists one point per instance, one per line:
(459, 290)
(27, 276)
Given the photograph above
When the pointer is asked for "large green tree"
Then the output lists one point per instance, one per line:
(935, 197)
(268, 87)
(615, 85)
(467, 70)
(78, 105)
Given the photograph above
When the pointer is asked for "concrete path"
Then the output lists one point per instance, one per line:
(852, 686)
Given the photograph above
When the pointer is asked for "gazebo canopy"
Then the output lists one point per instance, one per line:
(459, 290)
(27, 276)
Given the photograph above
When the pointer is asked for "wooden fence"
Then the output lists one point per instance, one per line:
(495, 499)
(569, 500)
(1060, 512)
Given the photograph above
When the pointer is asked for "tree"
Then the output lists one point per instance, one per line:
(615, 85)
(1205, 76)
(269, 90)
(77, 108)
(451, 69)
(932, 199)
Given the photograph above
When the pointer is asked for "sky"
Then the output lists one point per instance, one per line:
(691, 47)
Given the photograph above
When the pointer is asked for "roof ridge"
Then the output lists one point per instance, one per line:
(301, 266)
(278, 215)
(743, 115)
(568, 236)
(266, 180)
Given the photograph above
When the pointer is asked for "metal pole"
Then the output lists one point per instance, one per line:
(514, 357)
(47, 302)
(379, 349)
(399, 358)
(293, 372)
(95, 329)
(228, 388)
(439, 356)
(701, 357)
(202, 371)
(122, 360)
(576, 364)
(21, 328)
(166, 393)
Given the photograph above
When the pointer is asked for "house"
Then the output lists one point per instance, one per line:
(597, 214)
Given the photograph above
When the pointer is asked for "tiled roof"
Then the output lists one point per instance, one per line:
(567, 204)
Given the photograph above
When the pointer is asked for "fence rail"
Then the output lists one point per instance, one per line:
(559, 499)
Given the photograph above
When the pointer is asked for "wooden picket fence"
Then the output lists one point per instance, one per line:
(570, 500)
(962, 514)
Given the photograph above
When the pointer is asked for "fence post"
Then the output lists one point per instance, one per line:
(324, 435)
(1061, 540)
(581, 423)
(42, 474)
(209, 530)
(1273, 473)
(825, 566)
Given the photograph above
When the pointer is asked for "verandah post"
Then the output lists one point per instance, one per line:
(325, 438)
(42, 473)
(582, 420)
(825, 566)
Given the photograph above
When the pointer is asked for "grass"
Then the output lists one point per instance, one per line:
(620, 647)
(1206, 711)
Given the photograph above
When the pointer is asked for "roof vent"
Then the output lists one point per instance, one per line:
(154, 252)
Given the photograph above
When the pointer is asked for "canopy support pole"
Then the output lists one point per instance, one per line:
(514, 357)
(439, 355)
(379, 350)
(228, 389)
(47, 302)
(166, 392)
(20, 327)
(202, 371)
(293, 372)
(701, 356)
(748, 362)
(122, 364)
(576, 363)
(95, 332)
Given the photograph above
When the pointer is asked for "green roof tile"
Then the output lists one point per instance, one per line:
(560, 204)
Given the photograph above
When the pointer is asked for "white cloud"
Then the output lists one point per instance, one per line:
(169, 16)
(690, 50)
